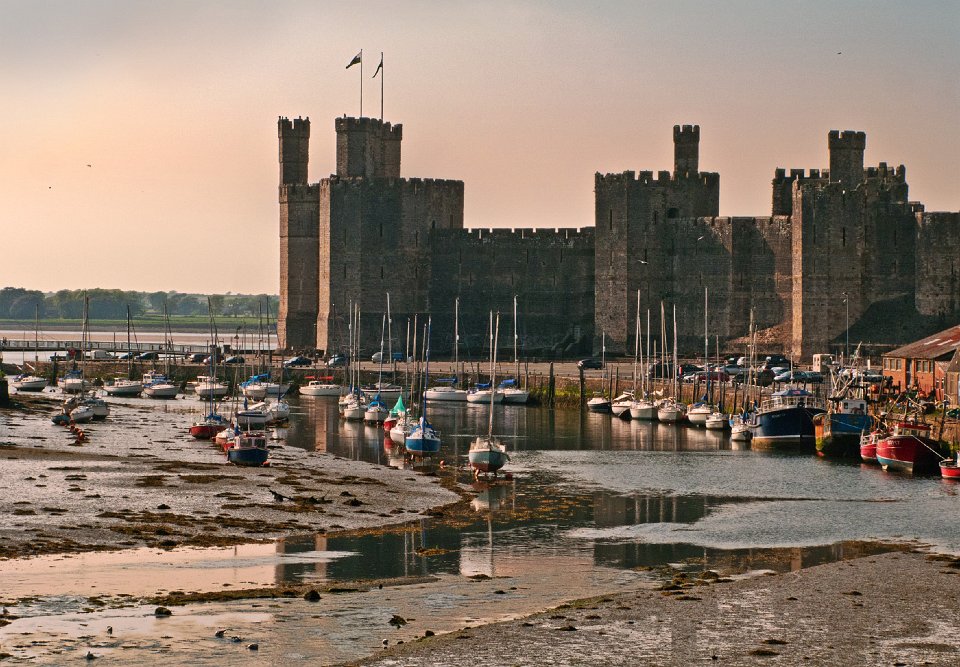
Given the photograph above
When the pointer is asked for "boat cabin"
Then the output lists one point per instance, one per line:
(853, 406)
(912, 428)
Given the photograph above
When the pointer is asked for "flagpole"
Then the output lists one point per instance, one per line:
(381, 86)
(361, 83)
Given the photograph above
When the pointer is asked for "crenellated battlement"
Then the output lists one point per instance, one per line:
(399, 183)
(661, 178)
(885, 173)
(364, 124)
(686, 133)
(780, 175)
(849, 139)
(533, 235)
(291, 191)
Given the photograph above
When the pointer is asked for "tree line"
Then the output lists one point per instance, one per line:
(17, 303)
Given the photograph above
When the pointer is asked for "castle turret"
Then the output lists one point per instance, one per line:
(846, 157)
(294, 150)
(686, 149)
(368, 147)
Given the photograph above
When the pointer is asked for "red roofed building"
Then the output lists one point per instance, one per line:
(923, 365)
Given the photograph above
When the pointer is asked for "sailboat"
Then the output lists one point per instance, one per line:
(600, 403)
(511, 392)
(448, 390)
(376, 411)
(24, 382)
(423, 438)
(642, 407)
(698, 412)
(213, 423)
(742, 425)
(488, 454)
(351, 404)
(671, 411)
(126, 386)
(83, 407)
(159, 385)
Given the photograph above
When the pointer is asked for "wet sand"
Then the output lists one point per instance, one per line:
(890, 609)
(140, 480)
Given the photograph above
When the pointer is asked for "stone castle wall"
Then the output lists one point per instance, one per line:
(550, 271)
(840, 241)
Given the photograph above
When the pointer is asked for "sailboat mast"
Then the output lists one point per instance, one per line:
(36, 340)
(456, 336)
(494, 339)
(129, 352)
(676, 359)
(648, 353)
(636, 347)
(516, 358)
(663, 344)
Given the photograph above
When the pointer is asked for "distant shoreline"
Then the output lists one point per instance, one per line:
(150, 323)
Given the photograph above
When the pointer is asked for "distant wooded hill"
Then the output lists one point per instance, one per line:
(17, 303)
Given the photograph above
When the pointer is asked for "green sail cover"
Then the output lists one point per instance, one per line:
(399, 408)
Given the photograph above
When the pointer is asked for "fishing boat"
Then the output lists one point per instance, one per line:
(28, 382)
(785, 420)
(868, 445)
(423, 439)
(249, 449)
(838, 431)
(488, 454)
(910, 449)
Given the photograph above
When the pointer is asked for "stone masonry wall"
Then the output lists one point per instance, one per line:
(938, 264)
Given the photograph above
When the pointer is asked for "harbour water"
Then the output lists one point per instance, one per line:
(594, 505)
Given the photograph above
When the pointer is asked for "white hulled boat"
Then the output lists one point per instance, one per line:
(29, 383)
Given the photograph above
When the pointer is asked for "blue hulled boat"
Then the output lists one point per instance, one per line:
(423, 438)
(249, 449)
(785, 420)
(838, 433)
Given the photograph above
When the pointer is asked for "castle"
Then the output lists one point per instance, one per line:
(841, 245)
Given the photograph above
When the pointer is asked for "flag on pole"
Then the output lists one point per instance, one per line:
(356, 60)
(379, 67)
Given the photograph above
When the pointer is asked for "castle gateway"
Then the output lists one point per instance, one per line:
(841, 245)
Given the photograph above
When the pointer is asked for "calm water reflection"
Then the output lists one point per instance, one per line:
(591, 491)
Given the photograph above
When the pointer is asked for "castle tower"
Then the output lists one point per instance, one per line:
(686, 149)
(299, 238)
(294, 150)
(846, 157)
(368, 147)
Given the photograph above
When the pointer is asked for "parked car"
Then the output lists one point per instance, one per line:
(148, 356)
(126, 355)
(807, 377)
(777, 360)
(235, 359)
(337, 360)
(298, 361)
(713, 376)
(195, 358)
(377, 356)
(590, 362)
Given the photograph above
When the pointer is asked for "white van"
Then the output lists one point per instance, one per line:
(822, 363)
(100, 355)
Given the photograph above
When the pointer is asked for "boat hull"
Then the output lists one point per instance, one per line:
(670, 415)
(124, 390)
(206, 431)
(321, 390)
(621, 410)
(599, 405)
(647, 412)
(162, 391)
(838, 434)
(717, 423)
(949, 470)
(790, 427)
(244, 456)
(515, 396)
(33, 384)
(910, 454)
(440, 394)
(483, 397)
(487, 458)
(698, 417)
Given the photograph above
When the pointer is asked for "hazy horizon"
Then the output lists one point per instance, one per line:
(140, 146)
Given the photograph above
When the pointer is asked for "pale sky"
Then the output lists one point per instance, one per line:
(173, 106)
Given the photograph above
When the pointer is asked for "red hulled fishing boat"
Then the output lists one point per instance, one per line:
(910, 449)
